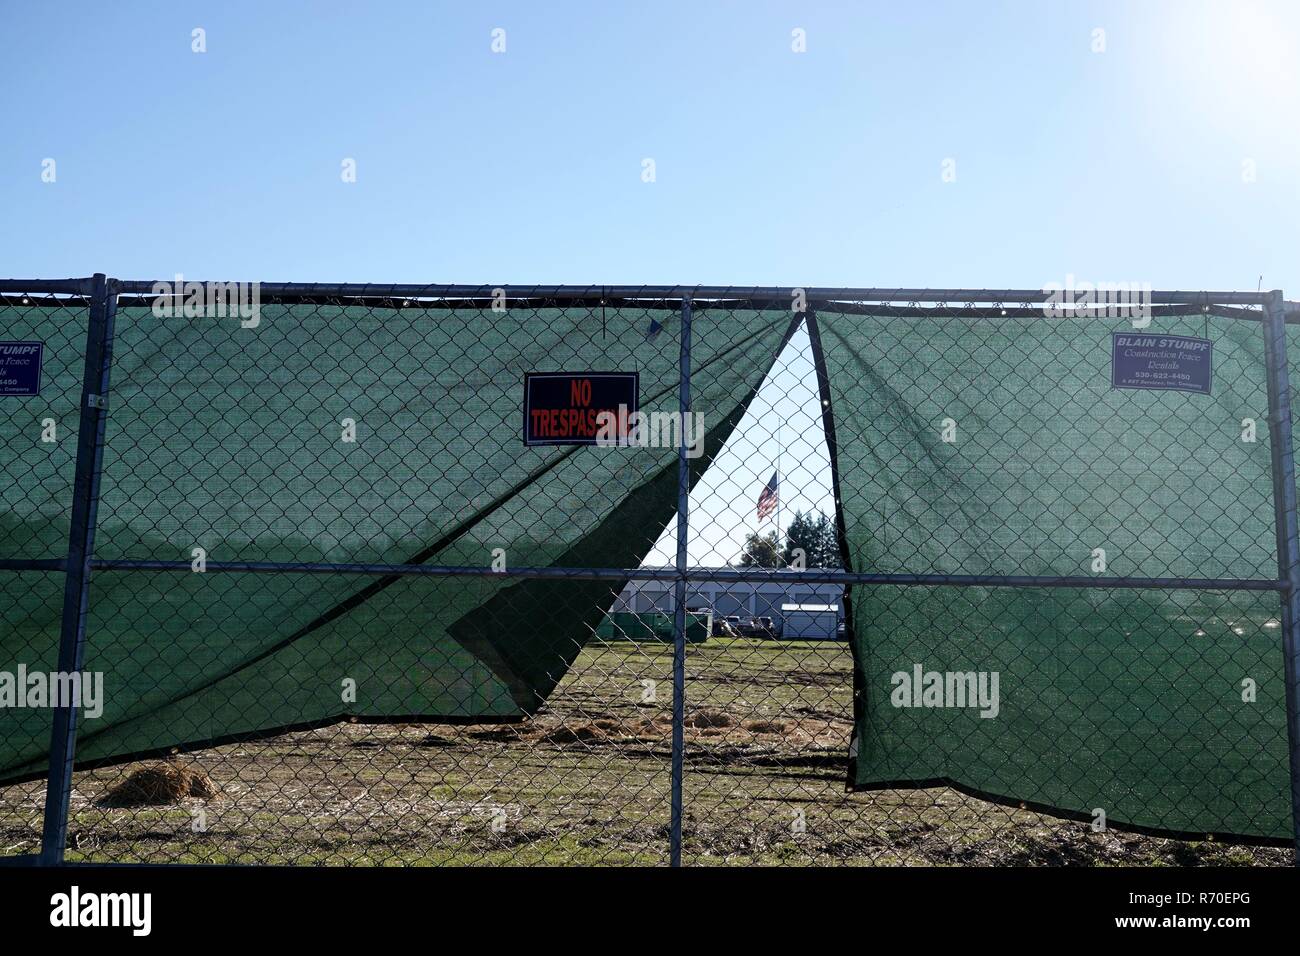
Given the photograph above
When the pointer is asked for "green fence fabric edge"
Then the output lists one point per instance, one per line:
(1122, 703)
(196, 659)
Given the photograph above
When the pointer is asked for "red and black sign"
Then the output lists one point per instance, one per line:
(578, 408)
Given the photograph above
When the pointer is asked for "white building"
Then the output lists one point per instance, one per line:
(807, 611)
(809, 622)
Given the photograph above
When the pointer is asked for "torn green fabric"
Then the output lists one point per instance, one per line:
(997, 445)
(228, 439)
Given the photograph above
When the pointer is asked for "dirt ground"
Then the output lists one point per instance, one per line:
(587, 782)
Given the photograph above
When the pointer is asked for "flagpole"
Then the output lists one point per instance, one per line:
(779, 544)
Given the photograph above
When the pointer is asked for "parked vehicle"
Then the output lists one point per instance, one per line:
(759, 627)
(726, 626)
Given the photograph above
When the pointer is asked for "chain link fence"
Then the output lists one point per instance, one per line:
(461, 575)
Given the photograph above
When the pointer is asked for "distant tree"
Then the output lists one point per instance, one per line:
(815, 534)
(800, 533)
(761, 551)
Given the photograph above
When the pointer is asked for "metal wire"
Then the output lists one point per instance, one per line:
(689, 723)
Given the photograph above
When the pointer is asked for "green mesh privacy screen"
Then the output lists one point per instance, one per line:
(229, 439)
(987, 443)
(37, 467)
(963, 442)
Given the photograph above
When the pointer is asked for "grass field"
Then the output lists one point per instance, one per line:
(587, 782)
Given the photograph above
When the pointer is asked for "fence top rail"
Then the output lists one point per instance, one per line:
(663, 295)
(47, 286)
(596, 293)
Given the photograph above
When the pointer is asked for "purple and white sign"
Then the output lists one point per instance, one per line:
(20, 368)
(1177, 363)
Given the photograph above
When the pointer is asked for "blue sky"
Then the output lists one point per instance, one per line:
(771, 167)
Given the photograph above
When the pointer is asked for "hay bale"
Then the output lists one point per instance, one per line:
(764, 726)
(161, 784)
(602, 728)
(707, 719)
(576, 734)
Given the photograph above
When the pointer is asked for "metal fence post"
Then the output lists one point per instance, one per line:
(81, 540)
(1288, 538)
(679, 613)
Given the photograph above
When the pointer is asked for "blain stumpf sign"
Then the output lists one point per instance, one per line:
(20, 368)
(578, 408)
(1178, 363)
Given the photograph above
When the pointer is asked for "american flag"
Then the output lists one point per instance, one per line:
(767, 498)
